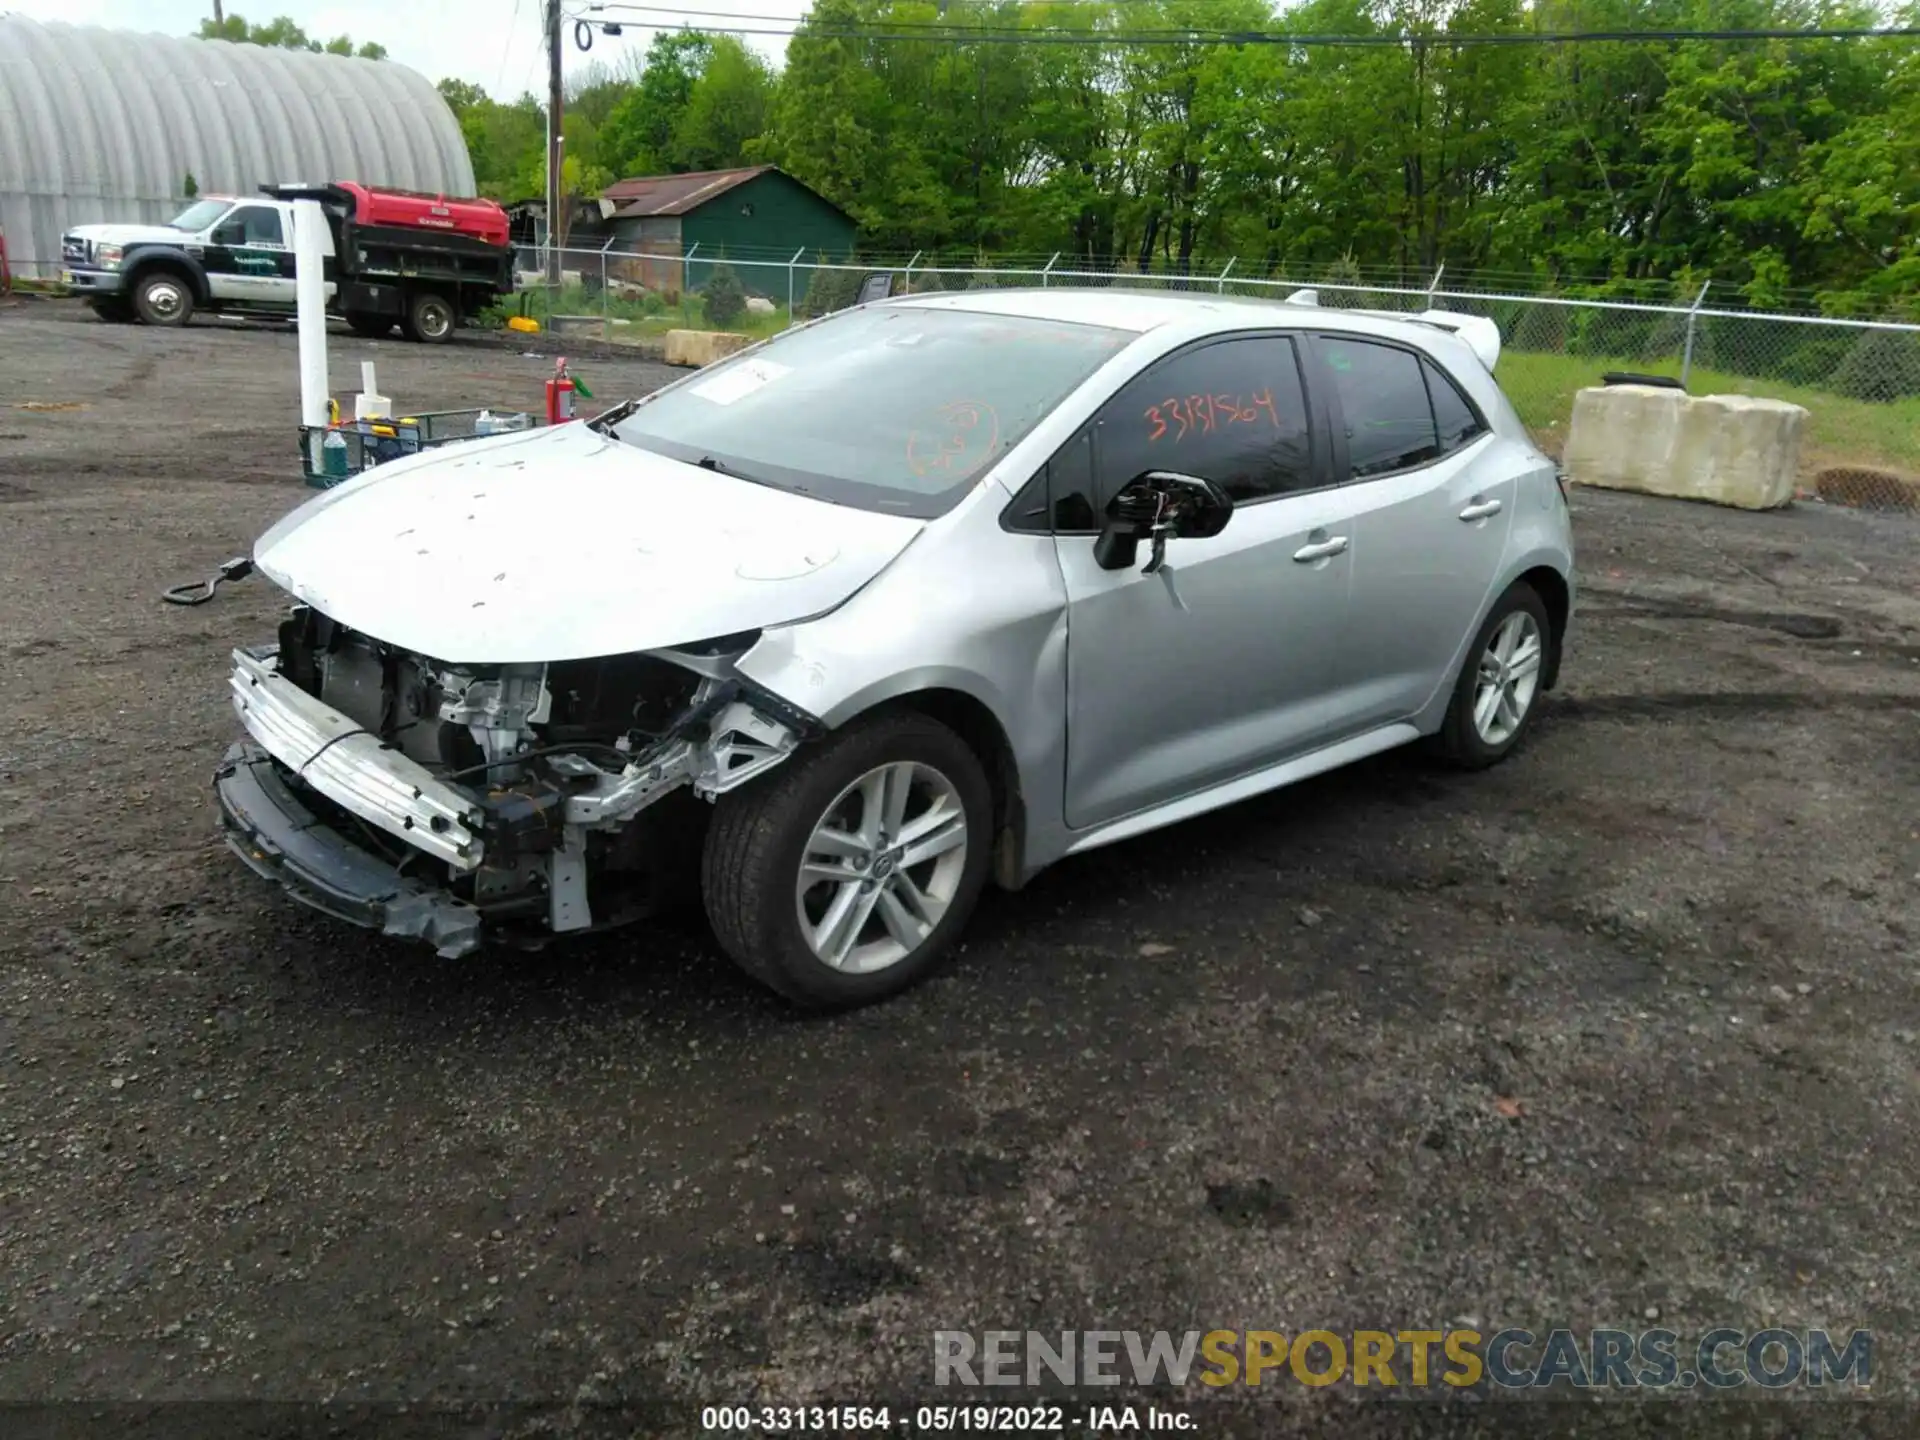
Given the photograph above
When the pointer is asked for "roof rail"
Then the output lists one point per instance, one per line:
(1481, 335)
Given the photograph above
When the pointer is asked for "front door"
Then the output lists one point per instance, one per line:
(1432, 494)
(1218, 664)
(250, 257)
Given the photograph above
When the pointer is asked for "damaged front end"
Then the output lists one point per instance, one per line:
(445, 802)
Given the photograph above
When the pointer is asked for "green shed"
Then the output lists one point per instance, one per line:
(755, 218)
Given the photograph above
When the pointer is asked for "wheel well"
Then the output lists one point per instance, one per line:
(179, 269)
(1551, 586)
(974, 723)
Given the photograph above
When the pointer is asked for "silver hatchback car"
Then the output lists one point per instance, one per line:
(930, 592)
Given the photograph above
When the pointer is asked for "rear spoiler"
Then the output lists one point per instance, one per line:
(1477, 332)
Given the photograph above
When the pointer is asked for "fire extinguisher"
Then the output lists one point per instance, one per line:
(560, 394)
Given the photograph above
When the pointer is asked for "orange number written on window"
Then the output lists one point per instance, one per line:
(1180, 416)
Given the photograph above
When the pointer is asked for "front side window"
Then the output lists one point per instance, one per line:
(1384, 397)
(1232, 412)
(252, 225)
(896, 408)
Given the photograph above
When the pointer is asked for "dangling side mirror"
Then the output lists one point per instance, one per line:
(1156, 506)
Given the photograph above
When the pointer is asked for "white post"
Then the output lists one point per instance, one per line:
(686, 271)
(1220, 286)
(1044, 282)
(312, 242)
(907, 284)
(1434, 284)
(790, 264)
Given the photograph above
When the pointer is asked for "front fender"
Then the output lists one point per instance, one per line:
(174, 257)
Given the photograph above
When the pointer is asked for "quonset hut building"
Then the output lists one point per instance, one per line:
(99, 124)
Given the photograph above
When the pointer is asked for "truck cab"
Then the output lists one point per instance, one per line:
(223, 253)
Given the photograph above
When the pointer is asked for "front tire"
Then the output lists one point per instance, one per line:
(1499, 687)
(430, 318)
(163, 297)
(846, 875)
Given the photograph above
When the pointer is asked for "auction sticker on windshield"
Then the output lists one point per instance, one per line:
(740, 381)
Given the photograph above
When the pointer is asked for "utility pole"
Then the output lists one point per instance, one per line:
(556, 144)
(218, 19)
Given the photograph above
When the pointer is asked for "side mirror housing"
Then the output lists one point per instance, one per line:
(1158, 505)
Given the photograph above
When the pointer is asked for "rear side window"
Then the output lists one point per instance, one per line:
(1384, 397)
(1458, 422)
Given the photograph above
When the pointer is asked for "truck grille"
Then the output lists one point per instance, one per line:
(73, 250)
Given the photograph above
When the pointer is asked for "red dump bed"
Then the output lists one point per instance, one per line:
(481, 219)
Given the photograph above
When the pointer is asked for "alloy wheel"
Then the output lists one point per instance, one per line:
(881, 867)
(1509, 676)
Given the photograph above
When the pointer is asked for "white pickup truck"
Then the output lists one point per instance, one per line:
(393, 256)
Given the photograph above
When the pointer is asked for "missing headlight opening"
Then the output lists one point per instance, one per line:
(559, 796)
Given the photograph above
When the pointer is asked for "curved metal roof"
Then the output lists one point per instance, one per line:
(99, 124)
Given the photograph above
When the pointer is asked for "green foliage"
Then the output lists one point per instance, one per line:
(1883, 365)
(282, 34)
(835, 289)
(189, 186)
(1783, 170)
(725, 297)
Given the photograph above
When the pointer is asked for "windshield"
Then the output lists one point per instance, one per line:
(199, 215)
(895, 408)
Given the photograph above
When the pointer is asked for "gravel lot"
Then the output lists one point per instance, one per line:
(1624, 1028)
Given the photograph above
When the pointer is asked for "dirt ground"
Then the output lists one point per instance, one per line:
(1624, 1029)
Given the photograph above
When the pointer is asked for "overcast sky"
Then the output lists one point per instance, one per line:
(492, 43)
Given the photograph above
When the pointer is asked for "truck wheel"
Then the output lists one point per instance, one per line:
(163, 297)
(365, 322)
(429, 318)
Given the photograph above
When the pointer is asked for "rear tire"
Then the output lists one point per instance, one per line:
(1499, 687)
(430, 318)
(833, 832)
(163, 297)
(365, 322)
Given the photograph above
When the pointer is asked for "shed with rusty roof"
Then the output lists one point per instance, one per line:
(755, 217)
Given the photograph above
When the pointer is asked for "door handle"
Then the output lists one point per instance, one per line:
(1480, 510)
(1320, 550)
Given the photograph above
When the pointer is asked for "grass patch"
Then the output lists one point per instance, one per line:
(646, 319)
(1862, 432)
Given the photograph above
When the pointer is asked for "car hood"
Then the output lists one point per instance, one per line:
(131, 234)
(563, 544)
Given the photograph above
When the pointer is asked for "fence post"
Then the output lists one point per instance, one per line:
(1220, 286)
(1433, 285)
(790, 264)
(606, 304)
(686, 271)
(1044, 281)
(906, 285)
(1686, 358)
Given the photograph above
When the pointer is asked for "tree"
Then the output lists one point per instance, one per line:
(726, 109)
(282, 34)
(725, 297)
(637, 138)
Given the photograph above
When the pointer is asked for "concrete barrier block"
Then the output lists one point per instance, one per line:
(1727, 449)
(701, 347)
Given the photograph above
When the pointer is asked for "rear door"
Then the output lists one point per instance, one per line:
(1219, 664)
(1431, 492)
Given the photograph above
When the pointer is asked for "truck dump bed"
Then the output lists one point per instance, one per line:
(481, 219)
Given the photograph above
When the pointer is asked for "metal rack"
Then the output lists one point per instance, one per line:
(370, 443)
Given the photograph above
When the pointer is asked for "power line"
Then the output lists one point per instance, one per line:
(932, 32)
